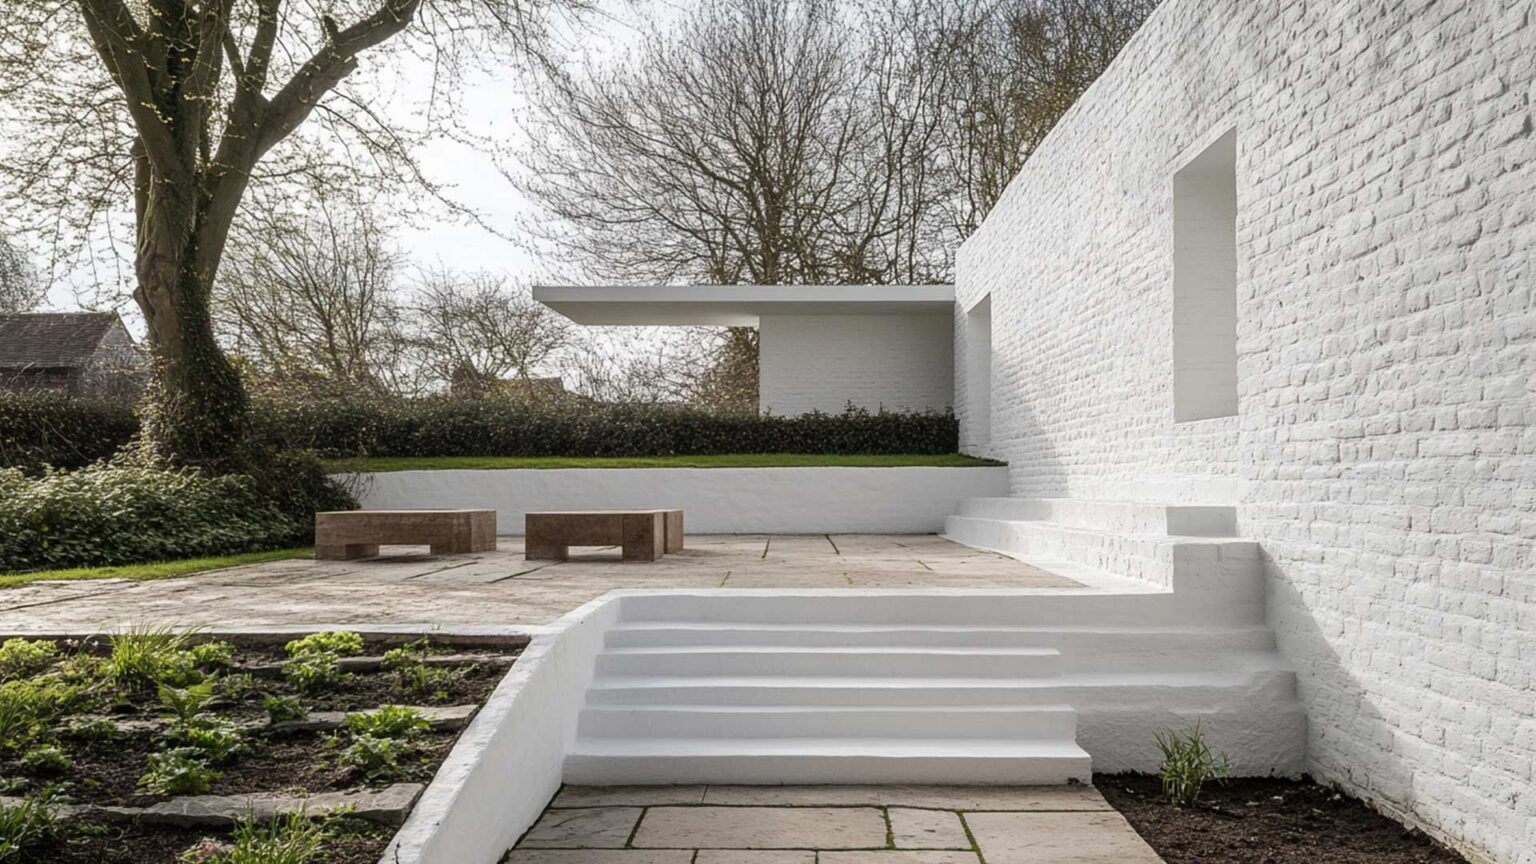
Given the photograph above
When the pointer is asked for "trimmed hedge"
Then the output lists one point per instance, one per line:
(490, 427)
(109, 514)
(38, 429)
(64, 433)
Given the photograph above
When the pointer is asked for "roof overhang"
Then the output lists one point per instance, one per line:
(737, 305)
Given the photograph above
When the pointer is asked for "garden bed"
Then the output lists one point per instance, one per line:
(138, 747)
(1267, 821)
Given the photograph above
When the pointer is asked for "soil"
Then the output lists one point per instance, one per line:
(360, 843)
(1267, 821)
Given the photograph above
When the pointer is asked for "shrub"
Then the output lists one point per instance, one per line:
(389, 721)
(178, 771)
(93, 730)
(38, 429)
(1187, 765)
(28, 708)
(376, 759)
(292, 838)
(147, 656)
(22, 658)
(117, 513)
(25, 827)
(342, 643)
(214, 654)
(186, 704)
(283, 708)
(312, 673)
(217, 740)
(45, 760)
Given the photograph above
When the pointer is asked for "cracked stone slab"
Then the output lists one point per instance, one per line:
(586, 828)
(927, 829)
(446, 718)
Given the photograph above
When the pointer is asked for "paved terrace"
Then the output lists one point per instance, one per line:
(406, 586)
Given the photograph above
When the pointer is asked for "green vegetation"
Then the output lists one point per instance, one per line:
(178, 771)
(376, 759)
(22, 658)
(281, 709)
(25, 827)
(144, 657)
(728, 460)
(389, 721)
(293, 838)
(45, 760)
(342, 643)
(314, 665)
(1187, 765)
(153, 570)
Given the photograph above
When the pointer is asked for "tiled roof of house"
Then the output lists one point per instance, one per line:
(52, 340)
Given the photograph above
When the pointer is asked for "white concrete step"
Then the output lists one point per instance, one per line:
(831, 661)
(998, 722)
(1122, 517)
(644, 761)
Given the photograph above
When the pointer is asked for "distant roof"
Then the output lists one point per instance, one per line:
(737, 305)
(52, 340)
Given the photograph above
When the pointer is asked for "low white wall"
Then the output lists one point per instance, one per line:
(823, 362)
(716, 500)
(508, 764)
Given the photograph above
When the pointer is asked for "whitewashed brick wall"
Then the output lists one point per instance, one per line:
(823, 362)
(1384, 451)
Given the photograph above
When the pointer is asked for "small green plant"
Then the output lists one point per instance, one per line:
(1187, 765)
(312, 673)
(293, 838)
(281, 709)
(145, 656)
(238, 687)
(214, 654)
(23, 658)
(28, 708)
(178, 771)
(91, 729)
(25, 827)
(219, 741)
(186, 703)
(389, 721)
(45, 761)
(377, 759)
(342, 643)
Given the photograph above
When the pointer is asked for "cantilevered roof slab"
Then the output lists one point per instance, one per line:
(737, 305)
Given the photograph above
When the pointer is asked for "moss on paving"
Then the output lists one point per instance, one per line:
(151, 570)
(730, 460)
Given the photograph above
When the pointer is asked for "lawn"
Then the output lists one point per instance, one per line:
(729, 460)
(152, 570)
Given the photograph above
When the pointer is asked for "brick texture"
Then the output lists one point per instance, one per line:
(1384, 449)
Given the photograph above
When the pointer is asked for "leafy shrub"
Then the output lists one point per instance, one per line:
(409, 654)
(108, 514)
(186, 704)
(217, 740)
(389, 721)
(1187, 765)
(376, 759)
(45, 760)
(292, 838)
(238, 687)
(91, 729)
(342, 643)
(38, 429)
(22, 658)
(312, 673)
(147, 656)
(28, 708)
(178, 771)
(281, 709)
(214, 654)
(430, 681)
(26, 827)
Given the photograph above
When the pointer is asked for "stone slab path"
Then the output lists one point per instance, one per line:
(830, 825)
(408, 587)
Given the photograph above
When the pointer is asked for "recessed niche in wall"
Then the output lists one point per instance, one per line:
(1205, 284)
(978, 372)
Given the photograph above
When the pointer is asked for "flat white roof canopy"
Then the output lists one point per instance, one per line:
(737, 305)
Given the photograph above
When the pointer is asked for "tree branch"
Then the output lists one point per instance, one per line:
(119, 42)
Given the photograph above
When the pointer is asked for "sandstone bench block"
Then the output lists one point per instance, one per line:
(359, 533)
(644, 535)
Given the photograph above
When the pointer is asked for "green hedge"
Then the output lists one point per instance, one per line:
(490, 427)
(46, 429)
(109, 514)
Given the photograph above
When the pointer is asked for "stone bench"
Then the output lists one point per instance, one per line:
(644, 535)
(345, 534)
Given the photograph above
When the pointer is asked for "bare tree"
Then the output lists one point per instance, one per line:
(19, 288)
(310, 294)
(173, 105)
(474, 330)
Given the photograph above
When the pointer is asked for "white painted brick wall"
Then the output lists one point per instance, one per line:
(1384, 453)
(823, 362)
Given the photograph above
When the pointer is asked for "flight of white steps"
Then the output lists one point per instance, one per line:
(971, 687)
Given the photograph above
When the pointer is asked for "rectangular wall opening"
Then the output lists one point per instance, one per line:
(1205, 284)
(978, 373)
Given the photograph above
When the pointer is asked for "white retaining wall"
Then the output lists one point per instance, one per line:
(1383, 453)
(824, 362)
(716, 500)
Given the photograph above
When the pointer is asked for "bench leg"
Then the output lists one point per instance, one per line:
(546, 552)
(345, 551)
(645, 536)
(674, 531)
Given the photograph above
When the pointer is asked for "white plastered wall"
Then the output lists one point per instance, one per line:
(825, 362)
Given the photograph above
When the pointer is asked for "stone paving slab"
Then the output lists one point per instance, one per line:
(632, 796)
(1059, 838)
(500, 586)
(901, 857)
(761, 828)
(968, 798)
(754, 856)
(590, 828)
(599, 856)
(927, 829)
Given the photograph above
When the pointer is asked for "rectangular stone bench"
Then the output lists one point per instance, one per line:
(644, 535)
(345, 534)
